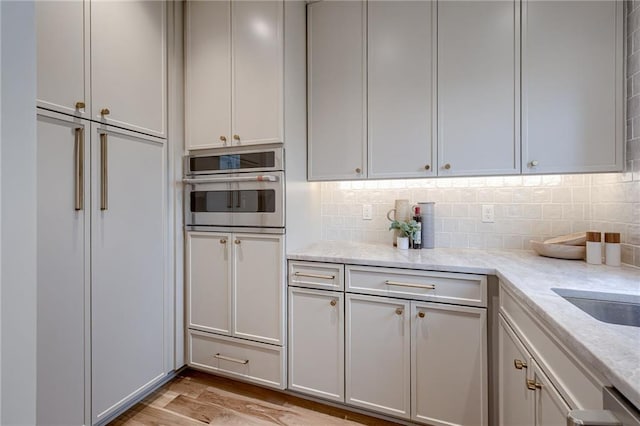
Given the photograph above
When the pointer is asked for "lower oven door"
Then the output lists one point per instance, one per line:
(236, 200)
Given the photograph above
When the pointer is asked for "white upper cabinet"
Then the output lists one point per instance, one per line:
(478, 88)
(208, 74)
(234, 73)
(572, 88)
(129, 65)
(400, 88)
(63, 49)
(257, 63)
(336, 85)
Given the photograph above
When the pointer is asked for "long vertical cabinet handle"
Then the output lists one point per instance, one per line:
(79, 166)
(104, 175)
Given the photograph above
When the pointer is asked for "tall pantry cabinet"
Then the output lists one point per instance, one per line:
(104, 320)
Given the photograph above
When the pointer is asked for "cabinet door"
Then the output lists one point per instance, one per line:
(516, 402)
(572, 96)
(336, 84)
(316, 343)
(208, 274)
(258, 61)
(551, 409)
(63, 49)
(207, 74)
(129, 64)
(259, 287)
(128, 294)
(449, 364)
(478, 87)
(400, 88)
(378, 354)
(63, 272)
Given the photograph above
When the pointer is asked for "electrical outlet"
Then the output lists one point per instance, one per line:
(367, 212)
(488, 214)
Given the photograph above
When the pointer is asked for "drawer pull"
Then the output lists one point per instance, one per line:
(226, 358)
(300, 282)
(399, 311)
(533, 385)
(425, 286)
(421, 314)
(322, 277)
(519, 364)
(333, 302)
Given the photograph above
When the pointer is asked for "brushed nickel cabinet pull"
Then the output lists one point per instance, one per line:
(308, 275)
(104, 173)
(400, 284)
(533, 385)
(226, 358)
(79, 168)
(519, 364)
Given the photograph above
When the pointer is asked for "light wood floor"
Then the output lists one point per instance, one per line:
(195, 398)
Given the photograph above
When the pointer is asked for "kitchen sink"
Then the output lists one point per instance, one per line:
(612, 308)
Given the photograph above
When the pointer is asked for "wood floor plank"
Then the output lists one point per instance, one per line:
(196, 398)
(152, 416)
(210, 413)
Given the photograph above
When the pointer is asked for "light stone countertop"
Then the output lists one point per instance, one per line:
(611, 350)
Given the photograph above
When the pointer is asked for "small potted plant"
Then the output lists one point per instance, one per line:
(407, 229)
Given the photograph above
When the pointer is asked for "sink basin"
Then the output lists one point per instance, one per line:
(612, 308)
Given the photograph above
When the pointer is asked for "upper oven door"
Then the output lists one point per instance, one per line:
(235, 160)
(236, 200)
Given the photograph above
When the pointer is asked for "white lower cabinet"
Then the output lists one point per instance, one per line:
(526, 395)
(516, 402)
(104, 331)
(539, 380)
(419, 360)
(378, 360)
(63, 272)
(449, 364)
(240, 359)
(236, 288)
(316, 343)
(130, 321)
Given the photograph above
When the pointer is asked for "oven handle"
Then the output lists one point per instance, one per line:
(261, 178)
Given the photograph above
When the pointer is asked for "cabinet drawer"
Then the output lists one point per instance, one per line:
(240, 359)
(328, 276)
(576, 385)
(461, 289)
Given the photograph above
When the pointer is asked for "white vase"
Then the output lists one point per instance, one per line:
(403, 242)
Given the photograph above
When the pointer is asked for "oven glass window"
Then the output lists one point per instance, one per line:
(212, 201)
(254, 160)
(246, 201)
(255, 201)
